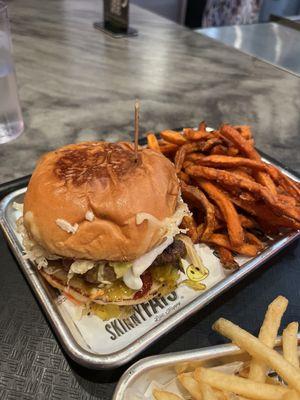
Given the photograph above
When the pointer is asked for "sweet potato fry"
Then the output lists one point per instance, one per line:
(247, 222)
(242, 172)
(220, 225)
(168, 148)
(291, 187)
(194, 136)
(244, 130)
(184, 177)
(267, 181)
(234, 227)
(230, 162)
(227, 259)
(288, 200)
(153, 142)
(187, 164)
(195, 157)
(179, 158)
(219, 149)
(240, 142)
(210, 143)
(222, 240)
(257, 189)
(198, 197)
(189, 223)
(232, 151)
(173, 137)
(264, 213)
(252, 239)
(247, 197)
(202, 126)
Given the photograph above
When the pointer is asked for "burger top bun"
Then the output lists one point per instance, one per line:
(82, 200)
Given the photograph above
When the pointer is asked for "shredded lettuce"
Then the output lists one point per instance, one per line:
(170, 225)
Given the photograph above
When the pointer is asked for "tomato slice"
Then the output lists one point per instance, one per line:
(147, 284)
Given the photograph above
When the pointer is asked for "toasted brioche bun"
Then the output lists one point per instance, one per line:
(105, 181)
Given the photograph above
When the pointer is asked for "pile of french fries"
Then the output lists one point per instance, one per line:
(252, 381)
(236, 199)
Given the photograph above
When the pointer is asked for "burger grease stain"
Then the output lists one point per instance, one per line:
(89, 161)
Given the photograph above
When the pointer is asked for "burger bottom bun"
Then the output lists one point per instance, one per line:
(83, 297)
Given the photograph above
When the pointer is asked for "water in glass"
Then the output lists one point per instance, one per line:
(11, 122)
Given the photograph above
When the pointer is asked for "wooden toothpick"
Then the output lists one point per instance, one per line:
(136, 127)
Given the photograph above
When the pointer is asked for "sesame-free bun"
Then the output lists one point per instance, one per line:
(101, 187)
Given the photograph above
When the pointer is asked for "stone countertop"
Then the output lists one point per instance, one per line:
(78, 84)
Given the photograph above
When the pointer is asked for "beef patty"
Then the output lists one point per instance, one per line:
(171, 255)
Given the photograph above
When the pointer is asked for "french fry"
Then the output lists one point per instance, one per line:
(234, 227)
(153, 142)
(198, 197)
(207, 392)
(267, 335)
(291, 395)
(259, 351)
(194, 388)
(173, 137)
(191, 385)
(290, 343)
(238, 385)
(227, 259)
(164, 395)
(222, 240)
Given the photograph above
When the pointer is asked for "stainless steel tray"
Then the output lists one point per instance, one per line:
(161, 368)
(68, 333)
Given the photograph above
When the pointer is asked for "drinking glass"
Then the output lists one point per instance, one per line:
(11, 121)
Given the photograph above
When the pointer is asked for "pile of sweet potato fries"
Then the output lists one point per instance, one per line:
(236, 199)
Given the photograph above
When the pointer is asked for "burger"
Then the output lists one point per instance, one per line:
(101, 224)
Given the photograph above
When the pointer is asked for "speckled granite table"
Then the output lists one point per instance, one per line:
(77, 84)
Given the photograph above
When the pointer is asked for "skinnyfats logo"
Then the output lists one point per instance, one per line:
(157, 308)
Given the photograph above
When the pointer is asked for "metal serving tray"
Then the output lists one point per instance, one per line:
(162, 322)
(161, 368)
